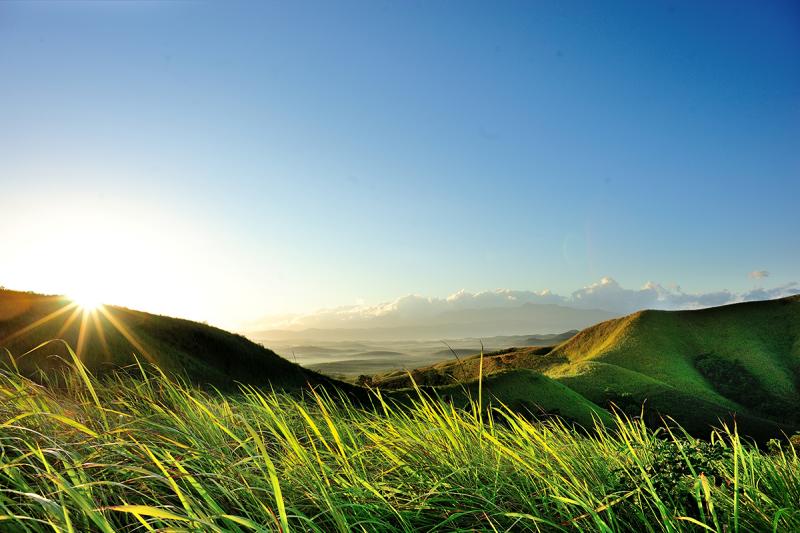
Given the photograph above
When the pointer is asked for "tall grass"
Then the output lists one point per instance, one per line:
(150, 453)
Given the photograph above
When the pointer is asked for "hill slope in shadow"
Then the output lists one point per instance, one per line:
(113, 337)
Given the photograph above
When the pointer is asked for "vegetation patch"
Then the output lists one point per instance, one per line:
(731, 379)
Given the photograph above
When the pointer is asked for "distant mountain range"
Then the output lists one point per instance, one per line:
(525, 319)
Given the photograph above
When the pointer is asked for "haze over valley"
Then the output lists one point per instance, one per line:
(414, 331)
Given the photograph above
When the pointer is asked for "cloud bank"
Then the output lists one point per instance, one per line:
(606, 294)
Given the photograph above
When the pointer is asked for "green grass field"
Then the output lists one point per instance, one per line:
(146, 453)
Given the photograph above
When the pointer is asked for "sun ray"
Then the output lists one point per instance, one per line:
(83, 334)
(119, 326)
(101, 334)
(68, 322)
(41, 321)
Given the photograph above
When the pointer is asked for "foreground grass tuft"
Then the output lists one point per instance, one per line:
(148, 453)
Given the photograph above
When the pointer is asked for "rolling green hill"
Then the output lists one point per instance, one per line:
(113, 337)
(740, 360)
(697, 367)
(527, 392)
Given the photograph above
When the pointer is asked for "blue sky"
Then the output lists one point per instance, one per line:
(275, 157)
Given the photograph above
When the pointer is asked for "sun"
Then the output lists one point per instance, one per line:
(86, 299)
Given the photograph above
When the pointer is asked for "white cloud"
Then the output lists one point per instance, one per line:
(501, 298)
(410, 309)
(606, 294)
(789, 289)
(758, 274)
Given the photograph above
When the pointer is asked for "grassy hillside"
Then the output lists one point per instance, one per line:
(114, 337)
(150, 454)
(739, 360)
(525, 392)
(111, 338)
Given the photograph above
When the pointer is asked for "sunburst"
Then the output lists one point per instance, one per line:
(87, 307)
(87, 300)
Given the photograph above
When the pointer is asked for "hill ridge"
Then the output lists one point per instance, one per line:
(741, 360)
(106, 339)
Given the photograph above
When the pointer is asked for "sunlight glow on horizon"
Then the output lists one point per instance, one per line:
(304, 159)
(136, 251)
(86, 299)
(115, 255)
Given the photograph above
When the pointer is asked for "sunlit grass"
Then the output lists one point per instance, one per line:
(148, 453)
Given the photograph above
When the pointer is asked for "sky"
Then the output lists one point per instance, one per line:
(224, 161)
